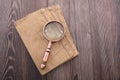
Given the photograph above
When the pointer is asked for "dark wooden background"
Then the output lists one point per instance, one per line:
(94, 26)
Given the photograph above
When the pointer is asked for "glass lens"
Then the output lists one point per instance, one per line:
(54, 31)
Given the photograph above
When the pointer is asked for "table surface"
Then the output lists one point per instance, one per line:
(95, 29)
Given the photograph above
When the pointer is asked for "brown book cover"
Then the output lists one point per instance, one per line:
(30, 29)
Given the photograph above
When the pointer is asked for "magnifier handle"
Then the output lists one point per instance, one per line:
(46, 55)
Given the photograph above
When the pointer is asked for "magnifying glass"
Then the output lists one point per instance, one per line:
(53, 31)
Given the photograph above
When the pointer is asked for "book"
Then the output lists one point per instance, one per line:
(30, 29)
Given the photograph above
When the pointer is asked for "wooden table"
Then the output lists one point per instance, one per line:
(94, 26)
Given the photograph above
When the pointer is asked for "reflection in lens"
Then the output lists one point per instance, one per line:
(54, 30)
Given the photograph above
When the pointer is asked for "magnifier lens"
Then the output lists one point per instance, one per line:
(54, 30)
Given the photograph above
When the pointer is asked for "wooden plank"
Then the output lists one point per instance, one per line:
(11, 45)
(63, 72)
(116, 38)
(9, 41)
(103, 39)
(104, 17)
(83, 28)
(28, 66)
(83, 40)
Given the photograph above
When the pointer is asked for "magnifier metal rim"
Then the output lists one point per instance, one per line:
(54, 39)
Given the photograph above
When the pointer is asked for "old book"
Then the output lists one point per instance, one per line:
(30, 29)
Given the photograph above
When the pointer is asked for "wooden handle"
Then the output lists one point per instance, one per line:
(46, 55)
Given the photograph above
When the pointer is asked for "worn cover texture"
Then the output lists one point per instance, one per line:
(30, 29)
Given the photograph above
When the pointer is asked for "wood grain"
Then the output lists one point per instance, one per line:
(94, 26)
